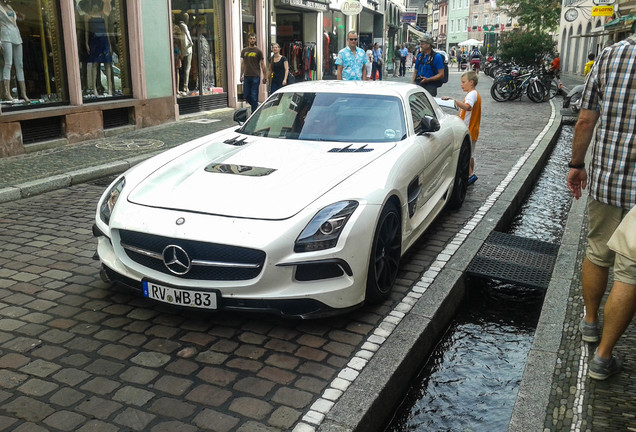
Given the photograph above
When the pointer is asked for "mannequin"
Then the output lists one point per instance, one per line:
(11, 50)
(98, 44)
(177, 46)
(186, 54)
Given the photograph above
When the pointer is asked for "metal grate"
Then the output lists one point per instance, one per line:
(41, 129)
(116, 117)
(513, 259)
(195, 104)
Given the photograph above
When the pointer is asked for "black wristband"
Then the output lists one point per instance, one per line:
(576, 166)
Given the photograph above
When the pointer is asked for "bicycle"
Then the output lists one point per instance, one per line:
(513, 85)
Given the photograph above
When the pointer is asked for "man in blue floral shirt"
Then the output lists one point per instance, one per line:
(352, 60)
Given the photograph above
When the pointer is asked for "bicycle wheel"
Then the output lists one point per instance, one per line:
(553, 88)
(536, 91)
(500, 91)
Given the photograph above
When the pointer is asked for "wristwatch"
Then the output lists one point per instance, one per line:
(576, 166)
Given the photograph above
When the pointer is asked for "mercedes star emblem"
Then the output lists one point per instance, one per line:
(180, 221)
(176, 259)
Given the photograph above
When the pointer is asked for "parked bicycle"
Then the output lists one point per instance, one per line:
(516, 83)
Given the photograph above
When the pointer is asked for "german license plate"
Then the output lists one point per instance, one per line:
(180, 297)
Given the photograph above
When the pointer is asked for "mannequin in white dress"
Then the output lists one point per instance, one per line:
(11, 51)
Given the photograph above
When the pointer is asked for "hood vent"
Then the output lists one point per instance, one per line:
(348, 149)
(244, 170)
(235, 141)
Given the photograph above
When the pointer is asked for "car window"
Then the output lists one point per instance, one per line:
(329, 117)
(420, 107)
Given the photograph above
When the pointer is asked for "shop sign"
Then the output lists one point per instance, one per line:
(304, 4)
(351, 7)
(603, 11)
(409, 17)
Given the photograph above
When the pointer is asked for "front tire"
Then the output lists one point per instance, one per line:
(385, 255)
(460, 183)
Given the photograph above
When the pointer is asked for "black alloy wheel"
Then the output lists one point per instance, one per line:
(385, 255)
(460, 183)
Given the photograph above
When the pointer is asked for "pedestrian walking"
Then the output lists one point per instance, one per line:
(429, 67)
(470, 112)
(397, 57)
(278, 69)
(376, 71)
(608, 96)
(252, 64)
(404, 52)
(352, 60)
(369, 64)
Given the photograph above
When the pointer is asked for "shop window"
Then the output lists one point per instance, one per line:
(248, 18)
(199, 46)
(32, 69)
(334, 40)
(103, 49)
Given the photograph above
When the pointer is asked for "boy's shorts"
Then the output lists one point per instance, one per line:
(603, 221)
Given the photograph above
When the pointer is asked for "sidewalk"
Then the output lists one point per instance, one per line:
(555, 393)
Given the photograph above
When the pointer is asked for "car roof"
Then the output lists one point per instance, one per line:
(358, 87)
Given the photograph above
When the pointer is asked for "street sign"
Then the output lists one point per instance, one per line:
(603, 11)
(603, 2)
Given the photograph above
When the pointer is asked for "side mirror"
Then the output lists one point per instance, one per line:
(240, 115)
(429, 124)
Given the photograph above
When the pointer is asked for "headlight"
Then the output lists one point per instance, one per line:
(323, 230)
(110, 199)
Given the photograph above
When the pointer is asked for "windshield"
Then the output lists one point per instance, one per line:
(329, 117)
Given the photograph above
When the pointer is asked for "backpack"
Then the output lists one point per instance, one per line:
(430, 63)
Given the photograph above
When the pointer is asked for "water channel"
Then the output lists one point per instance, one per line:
(470, 381)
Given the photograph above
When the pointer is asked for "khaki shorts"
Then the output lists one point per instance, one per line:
(603, 220)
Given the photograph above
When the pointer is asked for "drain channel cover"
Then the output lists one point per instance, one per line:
(514, 259)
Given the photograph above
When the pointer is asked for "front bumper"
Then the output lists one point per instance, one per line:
(289, 308)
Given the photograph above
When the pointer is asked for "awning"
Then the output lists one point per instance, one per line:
(417, 33)
(622, 23)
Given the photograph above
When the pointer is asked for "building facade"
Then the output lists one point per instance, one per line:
(94, 67)
(581, 33)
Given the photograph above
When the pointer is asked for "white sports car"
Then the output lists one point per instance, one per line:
(303, 210)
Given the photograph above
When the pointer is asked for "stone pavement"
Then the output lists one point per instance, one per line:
(78, 355)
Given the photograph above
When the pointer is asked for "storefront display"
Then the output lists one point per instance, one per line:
(102, 48)
(199, 45)
(334, 32)
(31, 59)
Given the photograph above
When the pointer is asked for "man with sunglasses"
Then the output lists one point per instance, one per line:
(352, 60)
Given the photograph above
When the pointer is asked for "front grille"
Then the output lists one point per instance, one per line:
(232, 256)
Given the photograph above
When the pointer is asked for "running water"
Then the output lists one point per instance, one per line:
(471, 380)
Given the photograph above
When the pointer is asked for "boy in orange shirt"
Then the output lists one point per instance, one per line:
(470, 112)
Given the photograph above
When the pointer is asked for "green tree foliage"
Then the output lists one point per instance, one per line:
(524, 47)
(536, 15)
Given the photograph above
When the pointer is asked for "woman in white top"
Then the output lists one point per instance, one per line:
(369, 64)
(11, 50)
